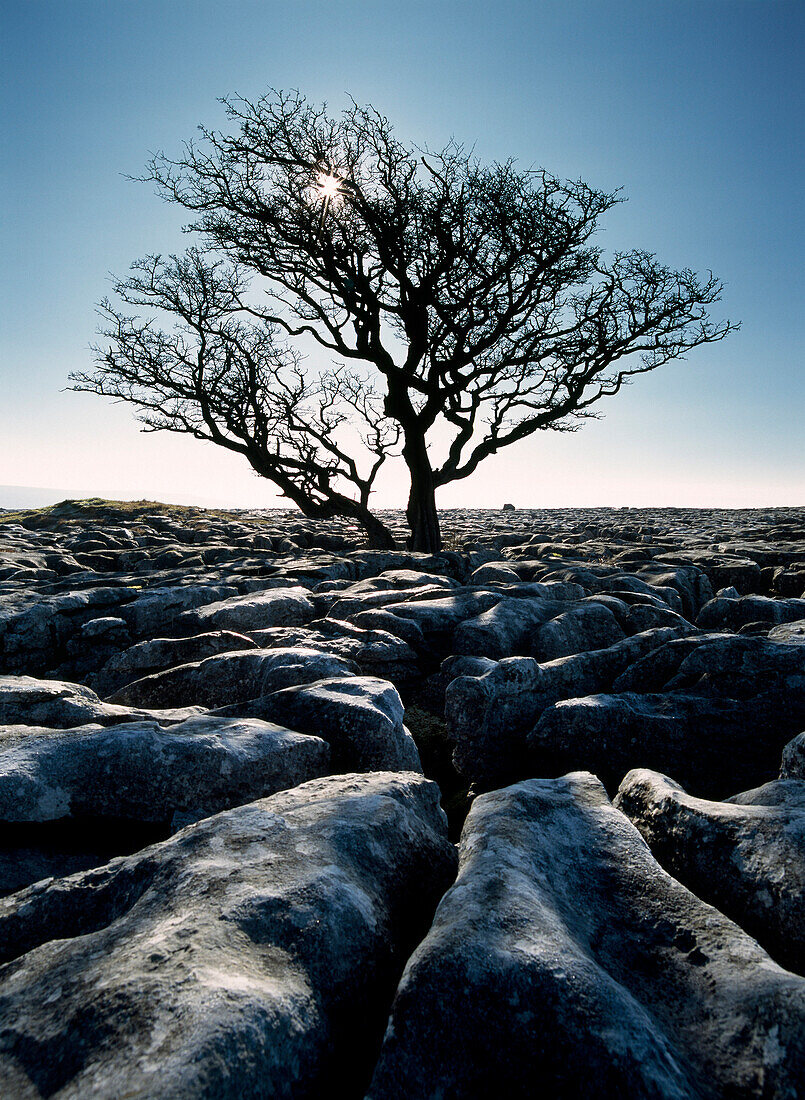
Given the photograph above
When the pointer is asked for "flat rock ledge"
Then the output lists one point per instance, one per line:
(221, 835)
(565, 962)
(254, 954)
(746, 855)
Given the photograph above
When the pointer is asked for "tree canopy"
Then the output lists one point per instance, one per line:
(450, 292)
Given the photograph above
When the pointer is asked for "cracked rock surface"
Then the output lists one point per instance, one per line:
(236, 751)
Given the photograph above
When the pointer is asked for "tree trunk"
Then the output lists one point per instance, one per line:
(423, 519)
(380, 537)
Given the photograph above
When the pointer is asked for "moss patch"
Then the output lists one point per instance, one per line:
(105, 511)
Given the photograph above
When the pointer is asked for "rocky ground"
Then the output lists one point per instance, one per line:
(284, 816)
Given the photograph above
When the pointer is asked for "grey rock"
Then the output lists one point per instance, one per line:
(490, 713)
(721, 569)
(360, 717)
(792, 633)
(350, 603)
(158, 609)
(713, 746)
(744, 668)
(401, 579)
(494, 572)
(34, 631)
(793, 762)
(565, 962)
(506, 630)
(59, 704)
(392, 624)
(724, 665)
(144, 772)
(229, 678)
(725, 613)
(653, 671)
(375, 652)
(252, 954)
(789, 582)
(692, 583)
(584, 627)
(745, 856)
(291, 606)
(788, 793)
(157, 654)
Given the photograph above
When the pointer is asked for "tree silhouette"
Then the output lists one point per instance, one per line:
(464, 303)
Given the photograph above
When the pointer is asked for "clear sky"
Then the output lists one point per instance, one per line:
(695, 107)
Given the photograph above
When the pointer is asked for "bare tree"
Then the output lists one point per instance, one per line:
(472, 292)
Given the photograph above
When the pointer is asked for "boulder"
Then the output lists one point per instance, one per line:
(792, 633)
(375, 652)
(726, 613)
(34, 631)
(506, 630)
(746, 667)
(58, 704)
(793, 762)
(232, 677)
(157, 654)
(143, 772)
(392, 624)
(437, 615)
(652, 672)
(725, 665)
(692, 584)
(156, 610)
(713, 746)
(360, 717)
(745, 856)
(291, 606)
(490, 711)
(721, 569)
(565, 962)
(494, 572)
(584, 627)
(252, 954)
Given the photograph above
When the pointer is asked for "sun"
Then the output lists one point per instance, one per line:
(329, 187)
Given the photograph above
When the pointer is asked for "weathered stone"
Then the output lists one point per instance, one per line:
(692, 584)
(158, 609)
(252, 954)
(746, 668)
(565, 962)
(745, 857)
(34, 632)
(229, 678)
(393, 624)
(793, 762)
(360, 717)
(375, 652)
(274, 607)
(157, 654)
(721, 569)
(494, 572)
(725, 613)
(58, 704)
(508, 629)
(714, 746)
(144, 772)
(788, 633)
(490, 713)
(582, 628)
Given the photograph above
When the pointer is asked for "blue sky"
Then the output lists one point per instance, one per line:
(695, 107)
